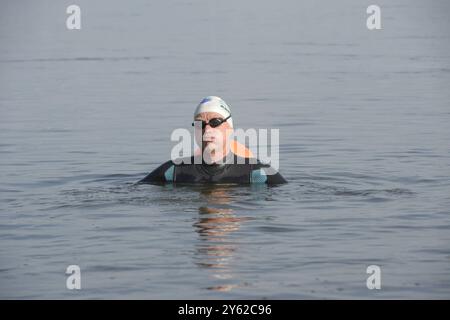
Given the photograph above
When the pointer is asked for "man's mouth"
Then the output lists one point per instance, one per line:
(208, 138)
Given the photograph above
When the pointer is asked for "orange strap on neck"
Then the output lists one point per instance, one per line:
(240, 150)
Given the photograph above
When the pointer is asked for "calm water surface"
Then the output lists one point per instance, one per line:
(364, 142)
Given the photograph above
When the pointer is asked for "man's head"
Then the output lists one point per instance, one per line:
(217, 126)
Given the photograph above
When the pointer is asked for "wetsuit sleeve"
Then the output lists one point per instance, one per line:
(163, 173)
(265, 173)
(276, 178)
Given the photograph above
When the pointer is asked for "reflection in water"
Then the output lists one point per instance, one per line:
(216, 248)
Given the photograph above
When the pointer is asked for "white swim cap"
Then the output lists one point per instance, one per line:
(214, 104)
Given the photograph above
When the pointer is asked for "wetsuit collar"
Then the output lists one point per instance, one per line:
(225, 160)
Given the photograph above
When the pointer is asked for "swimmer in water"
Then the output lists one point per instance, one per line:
(224, 160)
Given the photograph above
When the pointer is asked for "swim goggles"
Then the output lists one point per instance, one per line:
(214, 122)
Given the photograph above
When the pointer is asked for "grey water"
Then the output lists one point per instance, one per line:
(364, 143)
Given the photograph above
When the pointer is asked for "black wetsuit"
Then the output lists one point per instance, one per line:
(240, 171)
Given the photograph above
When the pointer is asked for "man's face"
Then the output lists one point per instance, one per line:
(214, 138)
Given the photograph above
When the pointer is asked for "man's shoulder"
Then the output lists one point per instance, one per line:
(266, 169)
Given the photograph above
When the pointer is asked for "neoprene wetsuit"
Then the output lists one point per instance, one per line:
(240, 171)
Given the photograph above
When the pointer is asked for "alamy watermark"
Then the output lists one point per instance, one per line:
(73, 281)
(266, 141)
(73, 22)
(374, 280)
(373, 22)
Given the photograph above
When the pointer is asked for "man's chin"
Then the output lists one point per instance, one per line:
(210, 146)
